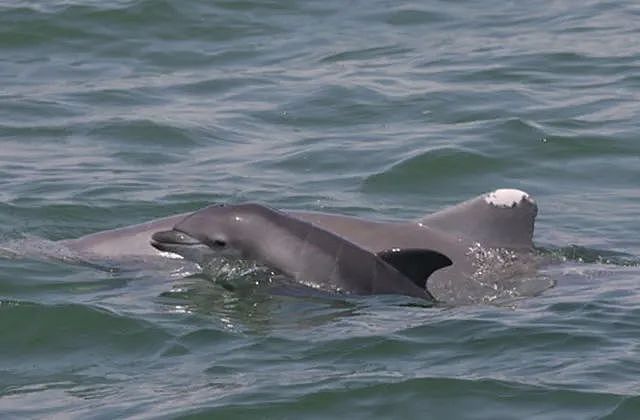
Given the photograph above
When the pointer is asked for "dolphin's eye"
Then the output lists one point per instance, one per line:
(219, 243)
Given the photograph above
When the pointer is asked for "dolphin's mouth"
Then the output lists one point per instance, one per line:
(169, 240)
(183, 245)
(188, 247)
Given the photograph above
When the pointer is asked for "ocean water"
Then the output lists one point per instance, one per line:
(114, 113)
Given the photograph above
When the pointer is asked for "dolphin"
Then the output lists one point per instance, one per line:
(303, 251)
(503, 218)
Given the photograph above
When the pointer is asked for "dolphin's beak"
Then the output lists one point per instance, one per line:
(170, 238)
(183, 245)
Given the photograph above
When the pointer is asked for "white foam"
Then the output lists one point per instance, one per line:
(507, 197)
(170, 255)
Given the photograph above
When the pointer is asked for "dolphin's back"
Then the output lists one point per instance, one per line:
(126, 241)
(320, 258)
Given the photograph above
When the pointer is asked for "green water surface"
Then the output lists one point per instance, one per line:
(113, 113)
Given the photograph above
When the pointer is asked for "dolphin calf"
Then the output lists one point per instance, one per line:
(303, 251)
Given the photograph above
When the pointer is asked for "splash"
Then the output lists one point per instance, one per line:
(503, 274)
(231, 272)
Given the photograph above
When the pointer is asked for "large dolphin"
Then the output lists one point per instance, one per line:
(488, 238)
(303, 251)
(503, 219)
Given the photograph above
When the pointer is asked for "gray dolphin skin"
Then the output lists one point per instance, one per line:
(129, 242)
(466, 233)
(303, 251)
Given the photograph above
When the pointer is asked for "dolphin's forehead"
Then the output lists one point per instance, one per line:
(209, 219)
(221, 220)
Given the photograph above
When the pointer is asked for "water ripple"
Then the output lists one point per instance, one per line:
(113, 113)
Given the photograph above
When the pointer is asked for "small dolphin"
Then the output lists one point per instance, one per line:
(303, 251)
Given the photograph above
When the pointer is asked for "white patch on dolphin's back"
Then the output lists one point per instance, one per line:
(507, 197)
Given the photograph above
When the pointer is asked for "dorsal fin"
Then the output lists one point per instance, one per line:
(416, 264)
(503, 218)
